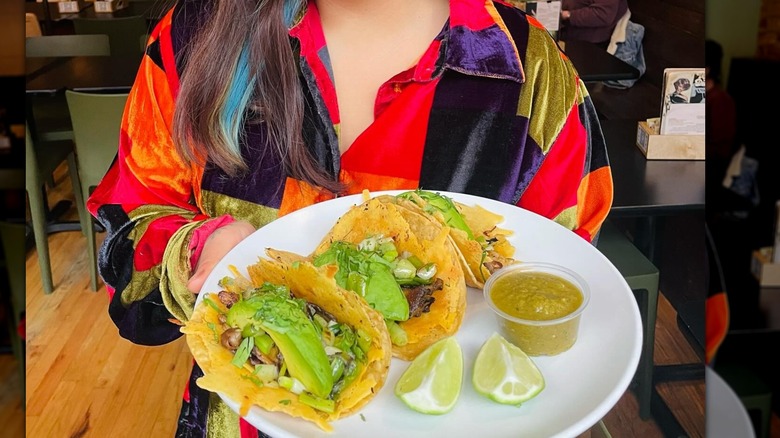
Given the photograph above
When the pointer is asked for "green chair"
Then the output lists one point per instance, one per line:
(96, 124)
(12, 237)
(123, 32)
(42, 158)
(642, 277)
(50, 118)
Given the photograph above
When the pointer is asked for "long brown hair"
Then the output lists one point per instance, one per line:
(241, 69)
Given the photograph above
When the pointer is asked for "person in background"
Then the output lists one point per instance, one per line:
(720, 132)
(590, 20)
(720, 112)
(246, 110)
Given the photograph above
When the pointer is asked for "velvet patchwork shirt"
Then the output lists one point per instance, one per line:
(492, 108)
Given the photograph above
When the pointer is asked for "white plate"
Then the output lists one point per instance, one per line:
(583, 383)
(726, 415)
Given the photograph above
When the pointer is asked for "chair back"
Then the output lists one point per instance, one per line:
(67, 45)
(96, 124)
(123, 32)
(32, 28)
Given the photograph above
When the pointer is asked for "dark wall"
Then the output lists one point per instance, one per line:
(674, 34)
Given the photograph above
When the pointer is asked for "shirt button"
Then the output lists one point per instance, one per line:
(397, 88)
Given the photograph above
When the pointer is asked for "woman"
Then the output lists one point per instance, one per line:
(591, 20)
(241, 113)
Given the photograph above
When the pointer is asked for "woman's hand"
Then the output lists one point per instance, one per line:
(219, 243)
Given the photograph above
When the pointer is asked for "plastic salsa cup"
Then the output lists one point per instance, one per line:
(537, 305)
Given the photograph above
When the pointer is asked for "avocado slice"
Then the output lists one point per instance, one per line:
(444, 204)
(271, 309)
(369, 275)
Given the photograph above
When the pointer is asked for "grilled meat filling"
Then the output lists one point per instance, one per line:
(421, 297)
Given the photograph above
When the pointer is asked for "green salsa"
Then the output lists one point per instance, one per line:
(535, 296)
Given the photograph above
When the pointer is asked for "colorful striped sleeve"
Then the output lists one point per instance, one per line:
(146, 203)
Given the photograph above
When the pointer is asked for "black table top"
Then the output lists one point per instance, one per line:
(596, 64)
(645, 187)
(81, 73)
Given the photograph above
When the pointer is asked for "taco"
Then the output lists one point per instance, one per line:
(482, 245)
(290, 340)
(407, 270)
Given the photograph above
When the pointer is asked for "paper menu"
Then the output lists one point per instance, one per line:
(683, 101)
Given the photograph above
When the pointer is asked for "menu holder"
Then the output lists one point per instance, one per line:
(683, 101)
(656, 146)
(109, 5)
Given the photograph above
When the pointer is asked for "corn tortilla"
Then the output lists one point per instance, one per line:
(482, 222)
(305, 281)
(430, 244)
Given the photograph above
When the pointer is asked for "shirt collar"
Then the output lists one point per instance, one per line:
(477, 42)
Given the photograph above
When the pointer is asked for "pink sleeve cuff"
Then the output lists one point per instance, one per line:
(199, 236)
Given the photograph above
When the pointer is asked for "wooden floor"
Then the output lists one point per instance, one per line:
(83, 380)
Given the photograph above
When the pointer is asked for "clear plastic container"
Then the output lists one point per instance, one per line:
(538, 306)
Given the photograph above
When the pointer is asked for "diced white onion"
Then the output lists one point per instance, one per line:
(297, 386)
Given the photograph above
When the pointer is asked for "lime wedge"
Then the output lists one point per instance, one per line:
(431, 384)
(504, 373)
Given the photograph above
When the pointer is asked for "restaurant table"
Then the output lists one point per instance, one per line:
(81, 73)
(649, 188)
(595, 64)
